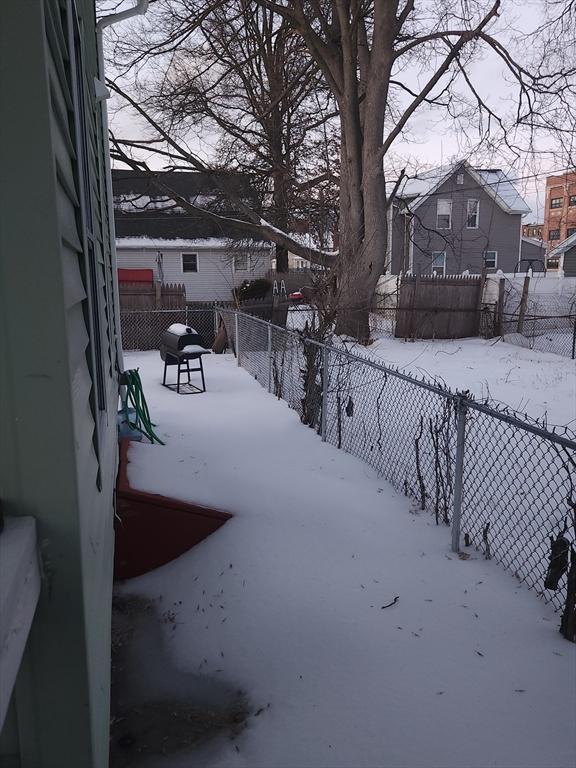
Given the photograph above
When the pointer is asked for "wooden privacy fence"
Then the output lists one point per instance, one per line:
(436, 307)
(137, 296)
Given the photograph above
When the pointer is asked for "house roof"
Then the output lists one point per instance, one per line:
(534, 241)
(178, 243)
(564, 246)
(143, 210)
(492, 180)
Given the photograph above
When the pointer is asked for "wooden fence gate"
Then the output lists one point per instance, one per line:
(134, 295)
(435, 307)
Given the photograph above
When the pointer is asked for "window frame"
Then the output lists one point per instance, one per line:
(571, 200)
(485, 258)
(189, 271)
(555, 199)
(435, 256)
(438, 214)
(472, 200)
(570, 231)
(248, 262)
(550, 237)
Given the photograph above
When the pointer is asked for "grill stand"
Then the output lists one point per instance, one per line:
(183, 363)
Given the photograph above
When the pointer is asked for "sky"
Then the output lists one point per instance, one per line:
(433, 140)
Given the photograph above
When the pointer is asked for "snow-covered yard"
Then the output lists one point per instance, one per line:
(286, 601)
(530, 381)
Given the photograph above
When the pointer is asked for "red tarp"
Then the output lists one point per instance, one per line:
(135, 275)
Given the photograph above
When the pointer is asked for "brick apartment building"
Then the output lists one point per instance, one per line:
(560, 209)
(532, 230)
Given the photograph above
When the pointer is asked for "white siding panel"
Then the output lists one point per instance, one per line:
(215, 277)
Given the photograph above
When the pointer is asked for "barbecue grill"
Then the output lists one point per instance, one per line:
(180, 344)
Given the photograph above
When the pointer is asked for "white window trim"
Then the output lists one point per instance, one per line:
(248, 263)
(188, 271)
(436, 254)
(495, 259)
(450, 214)
(472, 200)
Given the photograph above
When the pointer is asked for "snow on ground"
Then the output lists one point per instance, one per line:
(530, 381)
(285, 600)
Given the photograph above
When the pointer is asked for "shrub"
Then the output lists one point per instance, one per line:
(253, 289)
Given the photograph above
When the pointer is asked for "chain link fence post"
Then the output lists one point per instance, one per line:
(236, 339)
(325, 378)
(269, 358)
(458, 472)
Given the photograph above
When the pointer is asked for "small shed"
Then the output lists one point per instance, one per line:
(565, 256)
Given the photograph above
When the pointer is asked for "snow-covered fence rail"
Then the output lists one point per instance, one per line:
(502, 482)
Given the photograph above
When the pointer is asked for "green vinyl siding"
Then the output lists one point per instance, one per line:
(58, 447)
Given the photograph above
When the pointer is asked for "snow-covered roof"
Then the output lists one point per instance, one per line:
(534, 241)
(179, 243)
(493, 180)
(564, 246)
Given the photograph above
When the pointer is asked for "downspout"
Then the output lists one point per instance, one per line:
(102, 94)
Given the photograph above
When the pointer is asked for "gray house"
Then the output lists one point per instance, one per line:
(456, 218)
(563, 257)
(208, 256)
(59, 362)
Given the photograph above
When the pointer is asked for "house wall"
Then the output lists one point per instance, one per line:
(497, 230)
(564, 217)
(570, 262)
(57, 329)
(215, 277)
(532, 251)
(399, 243)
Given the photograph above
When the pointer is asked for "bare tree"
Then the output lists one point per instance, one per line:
(239, 73)
(386, 62)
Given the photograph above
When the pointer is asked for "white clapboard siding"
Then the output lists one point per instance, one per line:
(215, 277)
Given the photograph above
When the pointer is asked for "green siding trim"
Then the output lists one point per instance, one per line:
(49, 465)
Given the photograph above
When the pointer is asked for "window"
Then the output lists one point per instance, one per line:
(189, 262)
(553, 234)
(240, 262)
(472, 211)
(490, 259)
(553, 263)
(572, 200)
(439, 263)
(556, 202)
(444, 214)
(570, 231)
(460, 178)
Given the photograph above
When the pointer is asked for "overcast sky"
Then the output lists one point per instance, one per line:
(433, 140)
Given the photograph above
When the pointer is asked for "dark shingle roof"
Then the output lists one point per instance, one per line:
(142, 209)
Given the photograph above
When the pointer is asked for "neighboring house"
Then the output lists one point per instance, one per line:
(533, 231)
(532, 255)
(563, 257)
(209, 257)
(58, 390)
(560, 209)
(455, 219)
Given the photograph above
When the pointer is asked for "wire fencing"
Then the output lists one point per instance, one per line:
(544, 333)
(503, 483)
(143, 329)
(542, 321)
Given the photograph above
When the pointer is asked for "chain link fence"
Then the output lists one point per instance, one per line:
(545, 322)
(143, 329)
(503, 483)
(544, 333)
